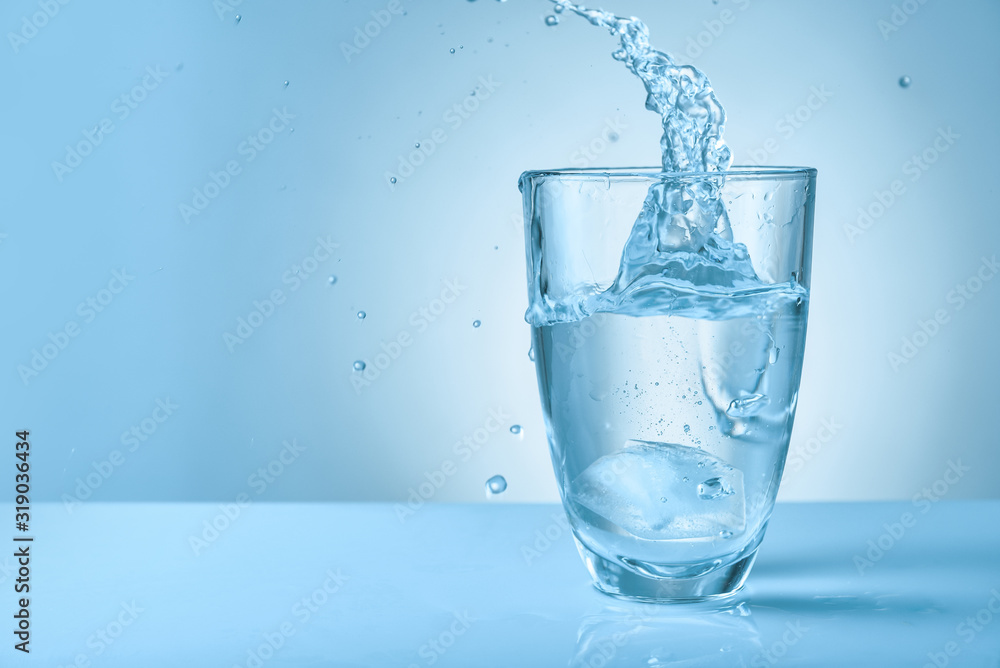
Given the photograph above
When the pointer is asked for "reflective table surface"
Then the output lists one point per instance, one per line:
(862, 584)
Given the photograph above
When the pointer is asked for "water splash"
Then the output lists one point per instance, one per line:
(692, 117)
(681, 245)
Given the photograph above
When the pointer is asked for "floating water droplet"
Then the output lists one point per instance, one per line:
(515, 429)
(558, 9)
(713, 488)
(905, 81)
(451, 50)
(392, 179)
(362, 315)
(551, 20)
(416, 145)
(496, 485)
(773, 356)
(239, 17)
(476, 323)
(663, 499)
(286, 83)
(687, 429)
(359, 366)
(747, 406)
(613, 136)
(332, 279)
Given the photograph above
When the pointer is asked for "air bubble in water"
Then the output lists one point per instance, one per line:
(531, 353)
(359, 366)
(476, 323)
(239, 18)
(515, 429)
(773, 357)
(392, 179)
(687, 429)
(451, 50)
(416, 145)
(496, 485)
(332, 279)
(551, 20)
(713, 488)
(905, 81)
(286, 83)
(725, 533)
(362, 315)
(747, 406)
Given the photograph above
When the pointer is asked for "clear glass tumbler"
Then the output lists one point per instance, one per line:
(669, 408)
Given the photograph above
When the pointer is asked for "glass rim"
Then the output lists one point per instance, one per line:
(736, 171)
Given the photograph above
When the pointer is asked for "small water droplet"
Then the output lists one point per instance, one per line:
(558, 9)
(905, 81)
(332, 279)
(725, 534)
(476, 323)
(773, 357)
(687, 429)
(663, 499)
(451, 50)
(359, 366)
(286, 83)
(392, 179)
(496, 485)
(768, 196)
(239, 17)
(362, 315)
(515, 429)
(685, 479)
(713, 488)
(613, 136)
(416, 145)
(551, 20)
(531, 353)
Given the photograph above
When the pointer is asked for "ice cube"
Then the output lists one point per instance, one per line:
(656, 491)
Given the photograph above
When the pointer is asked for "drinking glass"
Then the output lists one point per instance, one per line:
(668, 418)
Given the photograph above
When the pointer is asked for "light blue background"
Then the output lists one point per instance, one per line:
(456, 218)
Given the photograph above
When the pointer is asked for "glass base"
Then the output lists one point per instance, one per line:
(688, 585)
